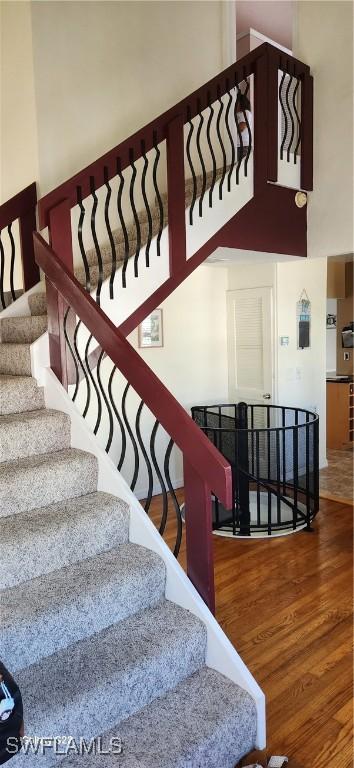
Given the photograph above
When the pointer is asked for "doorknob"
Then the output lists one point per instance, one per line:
(267, 396)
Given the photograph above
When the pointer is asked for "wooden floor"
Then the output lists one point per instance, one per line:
(286, 605)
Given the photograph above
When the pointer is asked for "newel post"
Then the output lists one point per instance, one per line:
(265, 121)
(199, 537)
(176, 194)
(307, 132)
(61, 243)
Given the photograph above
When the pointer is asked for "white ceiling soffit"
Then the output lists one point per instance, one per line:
(227, 256)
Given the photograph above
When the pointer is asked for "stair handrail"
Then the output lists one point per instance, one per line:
(21, 207)
(206, 471)
(272, 57)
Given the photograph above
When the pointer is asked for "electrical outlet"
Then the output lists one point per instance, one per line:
(346, 355)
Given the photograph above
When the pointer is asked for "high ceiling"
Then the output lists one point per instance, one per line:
(273, 18)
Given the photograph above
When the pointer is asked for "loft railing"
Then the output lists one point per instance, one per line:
(205, 469)
(18, 269)
(126, 208)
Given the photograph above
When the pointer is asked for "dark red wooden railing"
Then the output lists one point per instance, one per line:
(21, 207)
(205, 469)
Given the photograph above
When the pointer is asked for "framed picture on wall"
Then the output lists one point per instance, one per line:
(151, 330)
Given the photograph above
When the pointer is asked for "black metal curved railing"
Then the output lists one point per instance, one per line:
(141, 449)
(10, 263)
(216, 150)
(121, 219)
(273, 452)
(289, 100)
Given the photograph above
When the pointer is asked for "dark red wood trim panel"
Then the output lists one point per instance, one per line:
(23, 207)
(307, 133)
(18, 205)
(199, 540)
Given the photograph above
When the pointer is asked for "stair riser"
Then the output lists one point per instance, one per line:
(59, 537)
(22, 330)
(29, 488)
(21, 398)
(38, 303)
(32, 437)
(32, 638)
(15, 359)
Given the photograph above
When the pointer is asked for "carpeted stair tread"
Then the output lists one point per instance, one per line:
(94, 684)
(19, 393)
(22, 330)
(207, 721)
(37, 303)
(33, 433)
(15, 359)
(46, 614)
(49, 538)
(37, 481)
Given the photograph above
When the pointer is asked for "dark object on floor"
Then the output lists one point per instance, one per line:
(11, 716)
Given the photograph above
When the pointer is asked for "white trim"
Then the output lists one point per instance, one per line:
(221, 655)
(228, 30)
(263, 39)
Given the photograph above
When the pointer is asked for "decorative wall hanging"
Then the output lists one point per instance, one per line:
(331, 321)
(303, 320)
(151, 331)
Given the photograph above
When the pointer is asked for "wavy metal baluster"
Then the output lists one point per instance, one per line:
(284, 115)
(201, 159)
(190, 163)
(249, 148)
(163, 522)
(290, 144)
(121, 427)
(109, 411)
(221, 109)
(232, 144)
(146, 203)
(95, 240)
(12, 263)
(210, 145)
(2, 273)
(132, 438)
(157, 191)
(66, 336)
(122, 222)
(174, 498)
(135, 215)
(109, 231)
(81, 240)
(99, 404)
(88, 393)
(297, 120)
(239, 132)
(145, 455)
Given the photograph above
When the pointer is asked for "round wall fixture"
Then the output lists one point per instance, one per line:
(300, 199)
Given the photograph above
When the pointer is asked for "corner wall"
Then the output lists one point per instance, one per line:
(324, 39)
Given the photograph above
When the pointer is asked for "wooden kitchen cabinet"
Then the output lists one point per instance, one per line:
(340, 414)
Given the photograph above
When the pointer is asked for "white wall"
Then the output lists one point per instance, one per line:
(331, 339)
(324, 39)
(300, 375)
(105, 69)
(19, 156)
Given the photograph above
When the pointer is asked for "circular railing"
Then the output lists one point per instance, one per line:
(274, 455)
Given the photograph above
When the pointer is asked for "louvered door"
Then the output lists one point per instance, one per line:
(250, 345)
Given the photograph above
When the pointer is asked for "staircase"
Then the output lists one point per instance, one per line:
(95, 646)
(102, 630)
